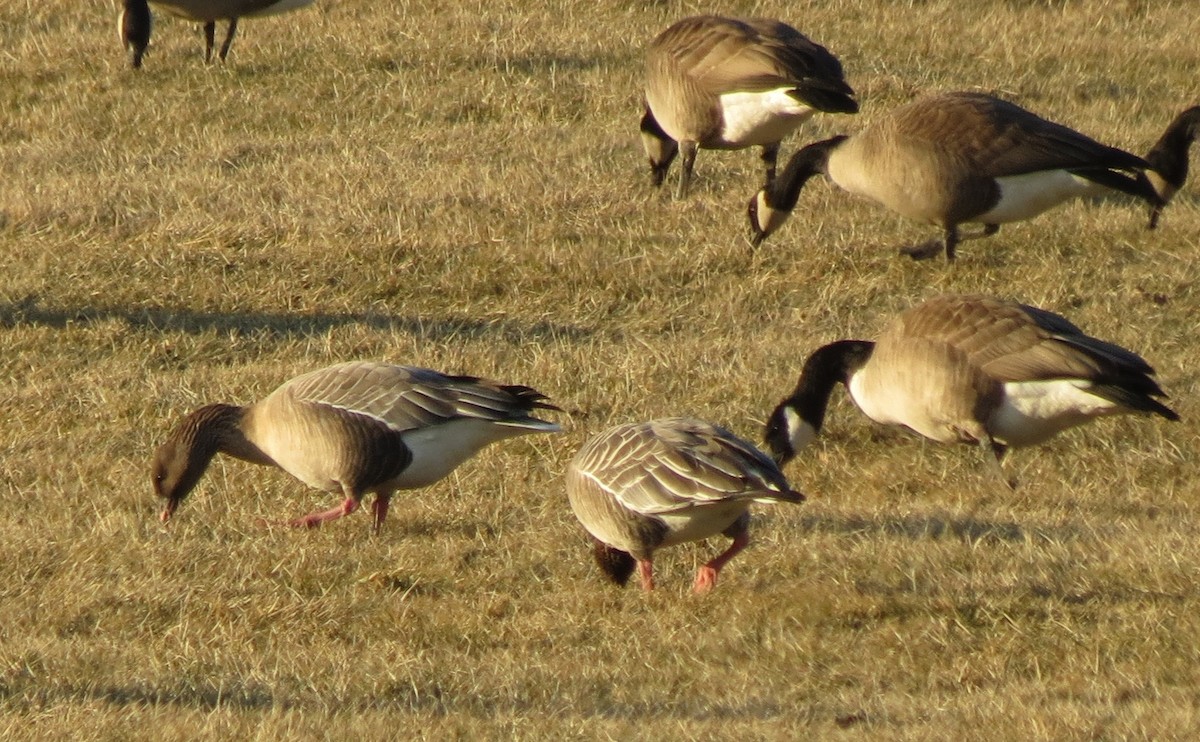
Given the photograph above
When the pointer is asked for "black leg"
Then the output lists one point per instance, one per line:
(210, 31)
(1155, 211)
(950, 238)
(228, 38)
(688, 149)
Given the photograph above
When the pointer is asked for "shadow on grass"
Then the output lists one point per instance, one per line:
(27, 312)
(931, 527)
(431, 698)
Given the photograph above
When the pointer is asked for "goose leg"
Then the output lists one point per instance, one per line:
(930, 249)
(770, 156)
(949, 242)
(987, 231)
(228, 38)
(210, 32)
(379, 509)
(312, 520)
(1155, 212)
(995, 455)
(706, 576)
(645, 569)
(688, 150)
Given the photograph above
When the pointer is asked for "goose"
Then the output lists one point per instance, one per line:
(953, 158)
(135, 20)
(352, 429)
(1168, 159)
(638, 487)
(732, 83)
(974, 369)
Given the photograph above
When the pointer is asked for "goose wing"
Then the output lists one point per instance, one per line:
(725, 55)
(407, 397)
(999, 139)
(1015, 342)
(674, 465)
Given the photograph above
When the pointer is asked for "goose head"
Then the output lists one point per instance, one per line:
(182, 459)
(660, 148)
(797, 420)
(771, 206)
(617, 565)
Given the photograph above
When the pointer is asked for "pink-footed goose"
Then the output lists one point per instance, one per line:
(641, 486)
(954, 158)
(972, 369)
(352, 429)
(135, 20)
(732, 83)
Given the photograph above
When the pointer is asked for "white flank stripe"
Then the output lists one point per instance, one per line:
(1026, 196)
(1034, 411)
(761, 117)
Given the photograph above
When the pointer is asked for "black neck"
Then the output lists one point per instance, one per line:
(1169, 155)
(810, 160)
(828, 366)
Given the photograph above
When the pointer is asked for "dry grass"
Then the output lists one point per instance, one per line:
(462, 187)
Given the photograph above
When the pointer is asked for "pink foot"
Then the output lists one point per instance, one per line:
(706, 580)
(312, 520)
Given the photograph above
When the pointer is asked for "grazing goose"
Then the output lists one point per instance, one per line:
(731, 83)
(1168, 159)
(972, 369)
(954, 158)
(135, 19)
(641, 486)
(352, 429)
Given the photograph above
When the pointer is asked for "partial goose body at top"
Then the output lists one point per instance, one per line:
(971, 369)
(352, 429)
(641, 486)
(730, 83)
(135, 20)
(1168, 159)
(955, 158)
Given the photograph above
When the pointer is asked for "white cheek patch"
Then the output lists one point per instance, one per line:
(1025, 196)
(800, 432)
(761, 117)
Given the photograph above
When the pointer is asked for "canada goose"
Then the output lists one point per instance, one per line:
(973, 369)
(135, 19)
(1168, 159)
(641, 486)
(954, 158)
(731, 83)
(352, 429)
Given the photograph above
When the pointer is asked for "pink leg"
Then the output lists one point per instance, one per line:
(646, 572)
(706, 576)
(312, 520)
(380, 509)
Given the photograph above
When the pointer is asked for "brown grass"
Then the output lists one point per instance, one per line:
(461, 186)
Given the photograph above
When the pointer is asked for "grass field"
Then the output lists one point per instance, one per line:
(461, 186)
